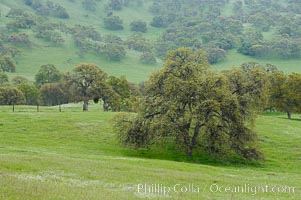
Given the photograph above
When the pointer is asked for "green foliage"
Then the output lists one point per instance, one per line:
(86, 81)
(115, 4)
(127, 93)
(197, 108)
(19, 39)
(31, 94)
(7, 64)
(138, 43)
(86, 38)
(120, 85)
(286, 92)
(114, 52)
(159, 21)
(148, 57)
(51, 36)
(21, 20)
(19, 80)
(53, 94)
(11, 96)
(216, 55)
(7, 50)
(113, 23)
(47, 74)
(48, 9)
(89, 5)
(138, 26)
(3, 79)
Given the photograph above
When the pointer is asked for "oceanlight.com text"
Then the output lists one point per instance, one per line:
(251, 189)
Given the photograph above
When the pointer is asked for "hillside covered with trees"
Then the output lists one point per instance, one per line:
(126, 36)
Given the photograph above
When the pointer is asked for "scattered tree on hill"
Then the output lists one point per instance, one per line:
(18, 80)
(159, 21)
(47, 74)
(9, 51)
(19, 39)
(114, 52)
(7, 64)
(48, 9)
(113, 23)
(216, 55)
(148, 57)
(3, 79)
(196, 108)
(115, 4)
(138, 43)
(51, 36)
(19, 23)
(89, 5)
(138, 26)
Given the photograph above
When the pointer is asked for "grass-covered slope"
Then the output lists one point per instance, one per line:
(65, 56)
(74, 155)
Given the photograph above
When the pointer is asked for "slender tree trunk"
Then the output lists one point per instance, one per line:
(196, 133)
(85, 105)
(187, 142)
(189, 151)
(60, 109)
(13, 107)
(38, 108)
(289, 116)
(105, 106)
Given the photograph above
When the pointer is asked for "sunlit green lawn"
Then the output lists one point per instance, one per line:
(74, 155)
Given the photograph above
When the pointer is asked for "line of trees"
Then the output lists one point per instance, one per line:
(84, 83)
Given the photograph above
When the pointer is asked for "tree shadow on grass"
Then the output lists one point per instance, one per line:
(203, 158)
(293, 119)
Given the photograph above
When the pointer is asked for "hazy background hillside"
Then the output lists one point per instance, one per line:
(67, 32)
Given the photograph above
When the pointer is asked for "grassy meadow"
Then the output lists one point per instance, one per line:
(75, 155)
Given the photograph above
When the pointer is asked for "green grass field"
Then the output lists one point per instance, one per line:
(74, 155)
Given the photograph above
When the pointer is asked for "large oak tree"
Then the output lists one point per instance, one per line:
(197, 108)
(86, 82)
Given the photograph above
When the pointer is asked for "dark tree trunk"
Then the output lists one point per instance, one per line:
(196, 134)
(38, 108)
(60, 109)
(13, 107)
(105, 106)
(289, 116)
(187, 142)
(85, 106)
(189, 151)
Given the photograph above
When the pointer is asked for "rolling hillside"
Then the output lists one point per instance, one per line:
(75, 155)
(67, 54)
